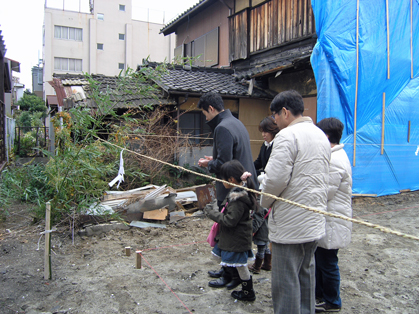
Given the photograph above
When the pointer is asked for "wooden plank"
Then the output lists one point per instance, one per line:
(157, 214)
(128, 251)
(305, 17)
(300, 18)
(275, 24)
(404, 191)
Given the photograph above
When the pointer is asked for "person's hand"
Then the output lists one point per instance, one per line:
(210, 207)
(203, 162)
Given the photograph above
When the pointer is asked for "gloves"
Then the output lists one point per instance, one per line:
(210, 207)
(261, 178)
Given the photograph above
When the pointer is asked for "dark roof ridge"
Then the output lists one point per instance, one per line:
(186, 67)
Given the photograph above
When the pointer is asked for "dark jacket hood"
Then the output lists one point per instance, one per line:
(239, 194)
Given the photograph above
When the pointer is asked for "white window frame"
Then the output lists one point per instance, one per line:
(68, 33)
(68, 64)
(101, 16)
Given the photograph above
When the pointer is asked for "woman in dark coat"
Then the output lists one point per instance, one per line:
(269, 129)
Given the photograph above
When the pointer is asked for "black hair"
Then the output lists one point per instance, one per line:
(268, 125)
(289, 99)
(234, 169)
(333, 128)
(211, 99)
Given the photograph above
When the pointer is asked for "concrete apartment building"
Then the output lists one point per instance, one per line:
(104, 41)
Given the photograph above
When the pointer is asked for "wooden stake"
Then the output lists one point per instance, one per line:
(138, 259)
(383, 123)
(128, 251)
(356, 80)
(47, 252)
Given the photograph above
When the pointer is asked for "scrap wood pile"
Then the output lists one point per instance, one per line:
(152, 203)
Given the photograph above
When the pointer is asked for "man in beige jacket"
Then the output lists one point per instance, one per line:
(297, 170)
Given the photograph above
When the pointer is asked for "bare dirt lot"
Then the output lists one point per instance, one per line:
(379, 271)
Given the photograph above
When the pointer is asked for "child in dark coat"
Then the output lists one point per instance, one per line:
(234, 246)
(261, 239)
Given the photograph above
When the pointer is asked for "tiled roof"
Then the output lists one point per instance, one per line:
(170, 27)
(79, 93)
(199, 80)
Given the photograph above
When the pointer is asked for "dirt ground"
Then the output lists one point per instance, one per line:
(379, 271)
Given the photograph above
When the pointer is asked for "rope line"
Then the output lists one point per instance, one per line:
(260, 141)
(165, 283)
(314, 210)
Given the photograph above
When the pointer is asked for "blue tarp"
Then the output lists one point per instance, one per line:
(334, 61)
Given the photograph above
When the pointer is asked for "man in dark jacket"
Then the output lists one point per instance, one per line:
(231, 141)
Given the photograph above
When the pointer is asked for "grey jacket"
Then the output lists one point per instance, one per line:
(231, 141)
(297, 170)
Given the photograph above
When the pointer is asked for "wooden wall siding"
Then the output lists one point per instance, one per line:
(271, 24)
(238, 36)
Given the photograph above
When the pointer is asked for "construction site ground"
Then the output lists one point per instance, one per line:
(379, 271)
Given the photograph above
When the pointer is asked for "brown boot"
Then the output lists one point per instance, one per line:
(267, 262)
(255, 268)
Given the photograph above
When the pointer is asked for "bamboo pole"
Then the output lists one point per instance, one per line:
(356, 81)
(388, 40)
(411, 41)
(383, 123)
(47, 252)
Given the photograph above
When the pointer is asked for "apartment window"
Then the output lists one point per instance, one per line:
(101, 16)
(122, 7)
(71, 33)
(99, 46)
(121, 36)
(121, 66)
(68, 64)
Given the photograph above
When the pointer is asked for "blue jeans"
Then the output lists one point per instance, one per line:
(328, 276)
(293, 278)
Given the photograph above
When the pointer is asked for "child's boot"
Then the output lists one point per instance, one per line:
(222, 281)
(247, 293)
(255, 268)
(267, 262)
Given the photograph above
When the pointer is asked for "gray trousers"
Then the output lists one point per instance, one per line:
(293, 278)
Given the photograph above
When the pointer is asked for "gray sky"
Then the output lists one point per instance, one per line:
(21, 25)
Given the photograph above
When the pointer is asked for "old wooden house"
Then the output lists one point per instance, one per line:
(266, 44)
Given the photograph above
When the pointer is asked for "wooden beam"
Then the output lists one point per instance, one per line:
(128, 251)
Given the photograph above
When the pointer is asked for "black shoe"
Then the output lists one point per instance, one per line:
(220, 282)
(247, 293)
(216, 273)
(325, 307)
(233, 283)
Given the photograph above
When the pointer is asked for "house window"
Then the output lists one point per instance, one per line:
(99, 46)
(121, 36)
(68, 64)
(204, 49)
(71, 33)
(193, 124)
(101, 16)
(121, 66)
(122, 7)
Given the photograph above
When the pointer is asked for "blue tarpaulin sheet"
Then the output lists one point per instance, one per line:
(334, 61)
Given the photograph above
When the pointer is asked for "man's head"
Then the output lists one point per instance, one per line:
(211, 105)
(286, 107)
(333, 128)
